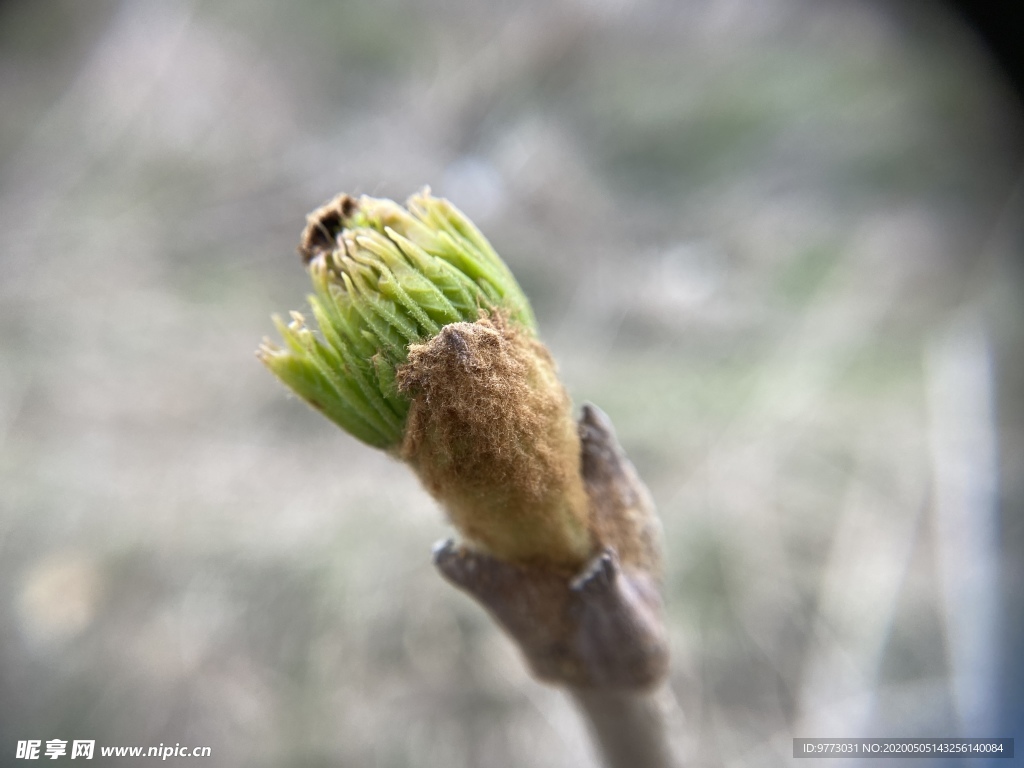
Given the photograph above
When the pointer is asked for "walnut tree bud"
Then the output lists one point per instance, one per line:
(427, 348)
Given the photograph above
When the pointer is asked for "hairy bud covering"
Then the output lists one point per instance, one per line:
(491, 435)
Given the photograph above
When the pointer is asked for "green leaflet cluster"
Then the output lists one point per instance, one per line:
(384, 277)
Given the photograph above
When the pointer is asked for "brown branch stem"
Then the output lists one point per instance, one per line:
(600, 632)
(632, 728)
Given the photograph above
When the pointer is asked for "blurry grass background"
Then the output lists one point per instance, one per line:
(769, 238)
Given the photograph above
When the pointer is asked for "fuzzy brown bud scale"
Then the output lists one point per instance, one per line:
(491, 435)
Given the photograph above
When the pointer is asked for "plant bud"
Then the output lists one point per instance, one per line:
(426, 347)
(384, 277)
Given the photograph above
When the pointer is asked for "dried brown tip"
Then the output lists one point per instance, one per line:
(324, 225)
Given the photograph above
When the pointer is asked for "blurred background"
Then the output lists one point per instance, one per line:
(771, 239)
